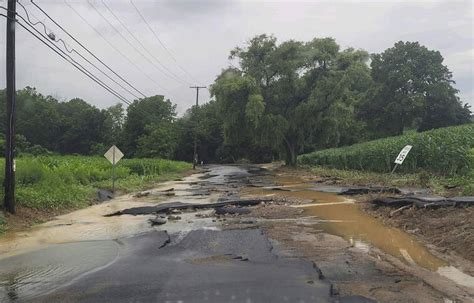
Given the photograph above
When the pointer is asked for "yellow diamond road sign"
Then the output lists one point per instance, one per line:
(113, 154)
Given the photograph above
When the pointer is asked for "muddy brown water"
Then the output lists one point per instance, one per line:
(40, 251)
(41, 258)
(340, 216)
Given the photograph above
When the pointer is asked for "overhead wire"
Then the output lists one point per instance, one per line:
(62, 54)
(83, 46)
(78, 66)
(65, 56)
(73, 50)
(131, 44)
(161, 42)
(141, 44)
(113, 47)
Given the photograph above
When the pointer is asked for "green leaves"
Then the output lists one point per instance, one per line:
(254, 109)
(52, 182)
(445, 151)
(292, 95)
(414, 89)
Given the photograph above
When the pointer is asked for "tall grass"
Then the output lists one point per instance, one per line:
(444, 151)
(72, 181)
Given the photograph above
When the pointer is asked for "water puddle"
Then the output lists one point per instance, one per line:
(339, 215)
(28, 275)
(37, 260)
(90, 224)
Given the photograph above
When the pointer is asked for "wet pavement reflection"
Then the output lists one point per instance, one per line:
(36, 261)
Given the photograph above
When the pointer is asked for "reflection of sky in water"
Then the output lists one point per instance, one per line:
(90, 223)
(28, 275)
(25, 273)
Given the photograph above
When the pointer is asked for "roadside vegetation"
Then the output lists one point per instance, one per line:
(440, 159)
(278, 99)
(445, 151)
(441, 185)
(67, 182)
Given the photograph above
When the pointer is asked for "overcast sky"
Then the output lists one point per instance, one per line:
(200, 34)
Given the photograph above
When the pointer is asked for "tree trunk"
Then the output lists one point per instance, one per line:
(401, 126)
(290, 149)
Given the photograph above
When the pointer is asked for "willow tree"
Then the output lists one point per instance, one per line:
(291, 95)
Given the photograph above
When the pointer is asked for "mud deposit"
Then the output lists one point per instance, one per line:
(370, 238)
(447, 229)
(292, 243)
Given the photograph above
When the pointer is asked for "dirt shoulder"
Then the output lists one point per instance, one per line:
(352, 270)
(444, 230)
(448, 231)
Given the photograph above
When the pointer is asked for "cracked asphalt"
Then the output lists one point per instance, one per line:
(204, 264)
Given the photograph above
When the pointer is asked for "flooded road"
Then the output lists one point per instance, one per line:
(87, 256)
(37, 260)
(339, 215)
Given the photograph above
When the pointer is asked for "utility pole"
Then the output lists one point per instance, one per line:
(9, 183)
(195, 159)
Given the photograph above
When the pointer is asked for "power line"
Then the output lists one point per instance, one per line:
(85, 71)
(161, 42)
(141, 44)
(66, 57)
(84, 47)
(130, 44)
(112, 46)
(73, 50)
(78, 66)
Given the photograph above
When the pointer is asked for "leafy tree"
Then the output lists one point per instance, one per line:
(206, 122)
(82, 126)
(141, 116)
(114, 121)
(443, 108)
(292, 95)
(38, 119)
(159, 141)
(411, 83)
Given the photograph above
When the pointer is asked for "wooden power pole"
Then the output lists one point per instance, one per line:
(195, 156)
(9, 183)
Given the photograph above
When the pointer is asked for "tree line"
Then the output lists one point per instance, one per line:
(281, 99)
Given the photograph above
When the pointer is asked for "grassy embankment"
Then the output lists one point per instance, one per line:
(440, 159)
(70, 182)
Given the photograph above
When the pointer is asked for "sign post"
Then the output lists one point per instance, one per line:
(113, 155)
(401, 157)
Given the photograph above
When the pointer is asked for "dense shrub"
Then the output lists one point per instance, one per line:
(444, 151)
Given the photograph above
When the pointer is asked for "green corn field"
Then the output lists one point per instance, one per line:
(445, 151)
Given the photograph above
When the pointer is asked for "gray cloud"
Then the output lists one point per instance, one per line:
(200, 35)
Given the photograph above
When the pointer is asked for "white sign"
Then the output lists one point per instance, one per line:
(113, 154)
(403, 154)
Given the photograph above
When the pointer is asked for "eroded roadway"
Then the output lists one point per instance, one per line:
(202, 265)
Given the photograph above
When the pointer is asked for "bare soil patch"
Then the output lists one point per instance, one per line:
(26, 217)
(446, 229)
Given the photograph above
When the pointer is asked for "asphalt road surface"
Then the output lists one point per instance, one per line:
(201, 264)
